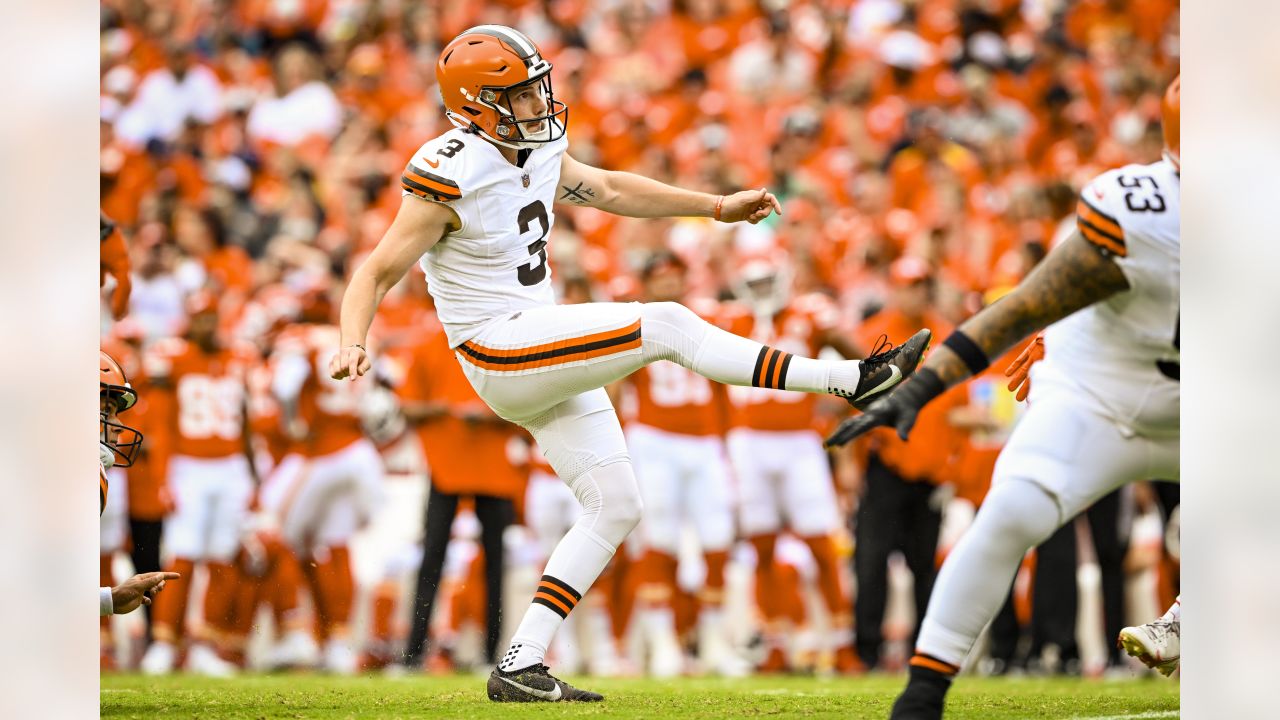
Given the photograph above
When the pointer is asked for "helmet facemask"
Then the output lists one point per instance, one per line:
(124, 441)
(521, 133)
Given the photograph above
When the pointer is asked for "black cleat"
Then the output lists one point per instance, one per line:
(886, 367)
(535, 684)
(924, 697)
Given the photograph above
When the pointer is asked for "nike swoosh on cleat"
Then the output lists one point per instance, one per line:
(895, 376)
(548, 695)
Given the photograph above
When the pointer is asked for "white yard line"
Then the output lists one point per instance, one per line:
(1137, 716)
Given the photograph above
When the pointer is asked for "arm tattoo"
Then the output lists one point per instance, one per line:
(578, 195)
(1074, 276)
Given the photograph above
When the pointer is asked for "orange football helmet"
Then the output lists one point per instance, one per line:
(1170, 112)
(115, 396)
(478, 69)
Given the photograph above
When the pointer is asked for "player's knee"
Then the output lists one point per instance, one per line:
(671, 331)
(610, 499)
(624, 507)
(1022, 510)
(667, 313)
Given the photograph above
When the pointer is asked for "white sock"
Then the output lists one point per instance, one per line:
(1174, 614)
(658, 622)
(672, 332)
(574, 565)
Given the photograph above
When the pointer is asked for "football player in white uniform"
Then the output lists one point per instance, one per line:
(476, 213)
(1104, 402)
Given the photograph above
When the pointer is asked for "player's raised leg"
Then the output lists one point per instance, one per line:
(575, 348)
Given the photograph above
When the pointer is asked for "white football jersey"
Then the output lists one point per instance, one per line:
(497, 262)
(1123, 353)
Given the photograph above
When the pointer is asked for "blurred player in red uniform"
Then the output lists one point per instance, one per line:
(676, 437)
(783, 473)
(323, 501)
(209, 475)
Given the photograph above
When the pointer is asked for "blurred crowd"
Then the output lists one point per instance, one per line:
(927, 154)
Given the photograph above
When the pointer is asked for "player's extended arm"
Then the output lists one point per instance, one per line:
(418, 226)
(1075, 275)
(624, 193)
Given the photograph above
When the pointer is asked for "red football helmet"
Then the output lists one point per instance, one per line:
(115, 396)
(476, 72)
(1170, 112)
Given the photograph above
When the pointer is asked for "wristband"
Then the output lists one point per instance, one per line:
(358, 345)
(719, 206)
(972, 355)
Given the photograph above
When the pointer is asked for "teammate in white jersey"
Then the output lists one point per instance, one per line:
(1104, 402)
(477, 212)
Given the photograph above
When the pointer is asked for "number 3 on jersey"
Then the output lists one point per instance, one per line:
(536, 270)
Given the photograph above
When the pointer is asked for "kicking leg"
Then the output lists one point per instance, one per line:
(670, 331)
(525, 364)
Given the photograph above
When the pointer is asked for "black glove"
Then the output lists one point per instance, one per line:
(898, 409)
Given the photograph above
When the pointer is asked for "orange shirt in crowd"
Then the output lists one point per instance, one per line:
(933, 443)
(208, 410)
(466, 457)
(799, 329)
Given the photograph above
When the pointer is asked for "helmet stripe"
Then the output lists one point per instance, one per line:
(514, 38)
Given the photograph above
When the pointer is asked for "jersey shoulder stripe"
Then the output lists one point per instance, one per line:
(428, 185)
(1100, 228)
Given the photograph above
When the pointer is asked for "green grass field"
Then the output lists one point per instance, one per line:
(288, 696)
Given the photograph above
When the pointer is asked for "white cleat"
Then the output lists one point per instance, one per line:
(339, 658)
(666, 659)
(1157, 644)
(203, 660)
(297, 649)
(159, 659)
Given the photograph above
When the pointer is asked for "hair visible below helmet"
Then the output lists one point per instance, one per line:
(115, 388)
(475, 72)
(1170, 112)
